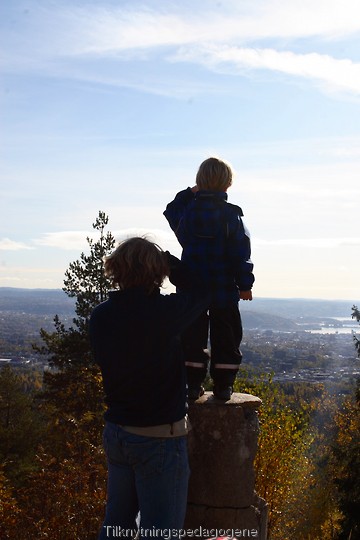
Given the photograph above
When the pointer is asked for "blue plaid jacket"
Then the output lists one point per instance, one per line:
(215, 242)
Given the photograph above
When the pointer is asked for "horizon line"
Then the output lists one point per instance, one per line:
(294, 298)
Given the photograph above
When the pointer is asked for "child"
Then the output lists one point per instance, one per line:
(216, 245)
(135, 339)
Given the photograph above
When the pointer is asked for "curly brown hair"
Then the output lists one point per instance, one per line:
(137, 262)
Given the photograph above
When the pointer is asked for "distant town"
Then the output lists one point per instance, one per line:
(295, 339)
(302, 356)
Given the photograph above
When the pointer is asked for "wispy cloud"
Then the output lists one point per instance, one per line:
(76, 240)
(164, 238)
(111, 30)
(10, 245)
(330, 72)
(67, 240)
(221, 37)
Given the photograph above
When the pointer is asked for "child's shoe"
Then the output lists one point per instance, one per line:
(223, 392)
(194, 392)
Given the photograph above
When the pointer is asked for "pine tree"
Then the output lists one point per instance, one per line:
(72, 392)
(85, 281)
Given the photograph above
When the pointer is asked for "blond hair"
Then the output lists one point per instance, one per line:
(214, 175)
(137, 262)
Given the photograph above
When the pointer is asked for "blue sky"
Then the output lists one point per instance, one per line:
(113, 105)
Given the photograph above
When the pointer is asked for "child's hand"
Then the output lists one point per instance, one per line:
(245, 295)
(195, 189)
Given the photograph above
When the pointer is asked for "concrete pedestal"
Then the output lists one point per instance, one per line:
(222, 449)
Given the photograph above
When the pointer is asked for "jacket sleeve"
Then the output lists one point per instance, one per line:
(182, 276)
(239, 253)
(175, 209)
(183, 308)
(188, 304)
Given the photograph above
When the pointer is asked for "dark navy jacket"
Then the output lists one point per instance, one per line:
(215, 242)
(136, 341)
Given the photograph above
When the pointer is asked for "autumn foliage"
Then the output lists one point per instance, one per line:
(52, 466)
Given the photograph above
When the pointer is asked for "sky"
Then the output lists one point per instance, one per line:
(113, 105)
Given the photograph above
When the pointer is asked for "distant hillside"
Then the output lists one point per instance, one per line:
(261, 313)
(294, 308)
(266, 321)
(36, 301)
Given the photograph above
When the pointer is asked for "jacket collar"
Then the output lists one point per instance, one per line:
(205, 194)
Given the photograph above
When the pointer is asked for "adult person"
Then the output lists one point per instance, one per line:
(135, 336)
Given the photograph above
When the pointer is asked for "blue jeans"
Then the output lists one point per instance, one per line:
(145, 474)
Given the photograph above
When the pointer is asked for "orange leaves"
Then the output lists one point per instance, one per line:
(65, 498)
(9, 510)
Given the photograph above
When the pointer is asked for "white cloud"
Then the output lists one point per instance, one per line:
(304, 18)
(331, 72)
(213, 37)
(10, 245)
(76, 240)
(109, 31)
(67, 240)
(165, 239)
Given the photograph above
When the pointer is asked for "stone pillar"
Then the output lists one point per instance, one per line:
(222, 448)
